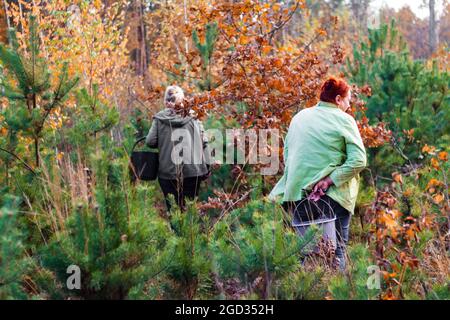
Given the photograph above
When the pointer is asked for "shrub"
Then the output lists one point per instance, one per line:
(117, 240)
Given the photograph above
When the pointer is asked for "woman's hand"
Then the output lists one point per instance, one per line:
(320, 188)
(323, 184)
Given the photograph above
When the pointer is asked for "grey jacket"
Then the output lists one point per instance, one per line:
(182, 145)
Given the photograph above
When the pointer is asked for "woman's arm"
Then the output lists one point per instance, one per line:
(356, 159)
(152, 137)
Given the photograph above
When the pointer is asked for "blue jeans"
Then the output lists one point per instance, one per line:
(342, 230)
(342, 223)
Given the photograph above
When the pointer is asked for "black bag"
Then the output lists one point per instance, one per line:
(144, 164)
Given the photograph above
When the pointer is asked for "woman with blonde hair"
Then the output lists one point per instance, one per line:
(177, 175)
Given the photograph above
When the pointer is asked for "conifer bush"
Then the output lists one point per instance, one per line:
(118, 241)
(410, 96)
(13, 263)
(190, 267)
(353, 285)
(254, 245)
(30, 91)
(91, 118)
(206, 51)
(304, 284)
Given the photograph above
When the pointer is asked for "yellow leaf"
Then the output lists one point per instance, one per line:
(435, 163)
(407, 193)
(428, 149)
(397, 177)
(443, 156)
(266, 49)
(437, 198)
(244, 40)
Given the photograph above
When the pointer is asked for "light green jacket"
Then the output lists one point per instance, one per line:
(321, 141)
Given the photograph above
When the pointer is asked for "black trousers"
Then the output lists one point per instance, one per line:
(186, 188)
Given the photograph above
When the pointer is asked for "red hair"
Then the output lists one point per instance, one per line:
(333, 87)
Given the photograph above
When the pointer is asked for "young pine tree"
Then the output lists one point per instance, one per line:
(255, 246)
(116, 239)
(87, 122)
(13, 263)
(29, 89)
(362, 281)
(206, 50)
(190, 267)
(411, 97)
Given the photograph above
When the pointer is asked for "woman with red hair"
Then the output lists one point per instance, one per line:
(323, 155)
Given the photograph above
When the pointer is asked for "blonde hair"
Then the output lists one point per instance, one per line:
(174, 95)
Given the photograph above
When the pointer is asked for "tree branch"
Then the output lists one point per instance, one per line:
(18, 158)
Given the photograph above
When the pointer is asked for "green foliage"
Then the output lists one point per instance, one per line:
(89, 119)
(118, 241)
(406, 94)
(29, 69)
(13, 264)
(28, 86)
(303, 284)
(254, 242)
(206, 50)
(190, 265)
(207, 47)
(440, 291)
(354, 284)
(139, 122)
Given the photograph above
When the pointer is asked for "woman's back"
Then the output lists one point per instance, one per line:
(318, 143)
(180, 142)
(323, 155)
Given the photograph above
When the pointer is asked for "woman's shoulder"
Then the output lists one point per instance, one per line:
(341, 116)
(349, 119)
(302, 113)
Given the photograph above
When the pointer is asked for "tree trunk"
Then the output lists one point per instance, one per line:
(36, 134)
(359, 10)
(137, 37)
(433, 26)
(4, 22)
(36, 152)
(142, 37)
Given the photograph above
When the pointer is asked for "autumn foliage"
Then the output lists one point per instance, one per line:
(80, 84)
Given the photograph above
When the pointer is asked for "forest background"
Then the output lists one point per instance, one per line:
(81, 80)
